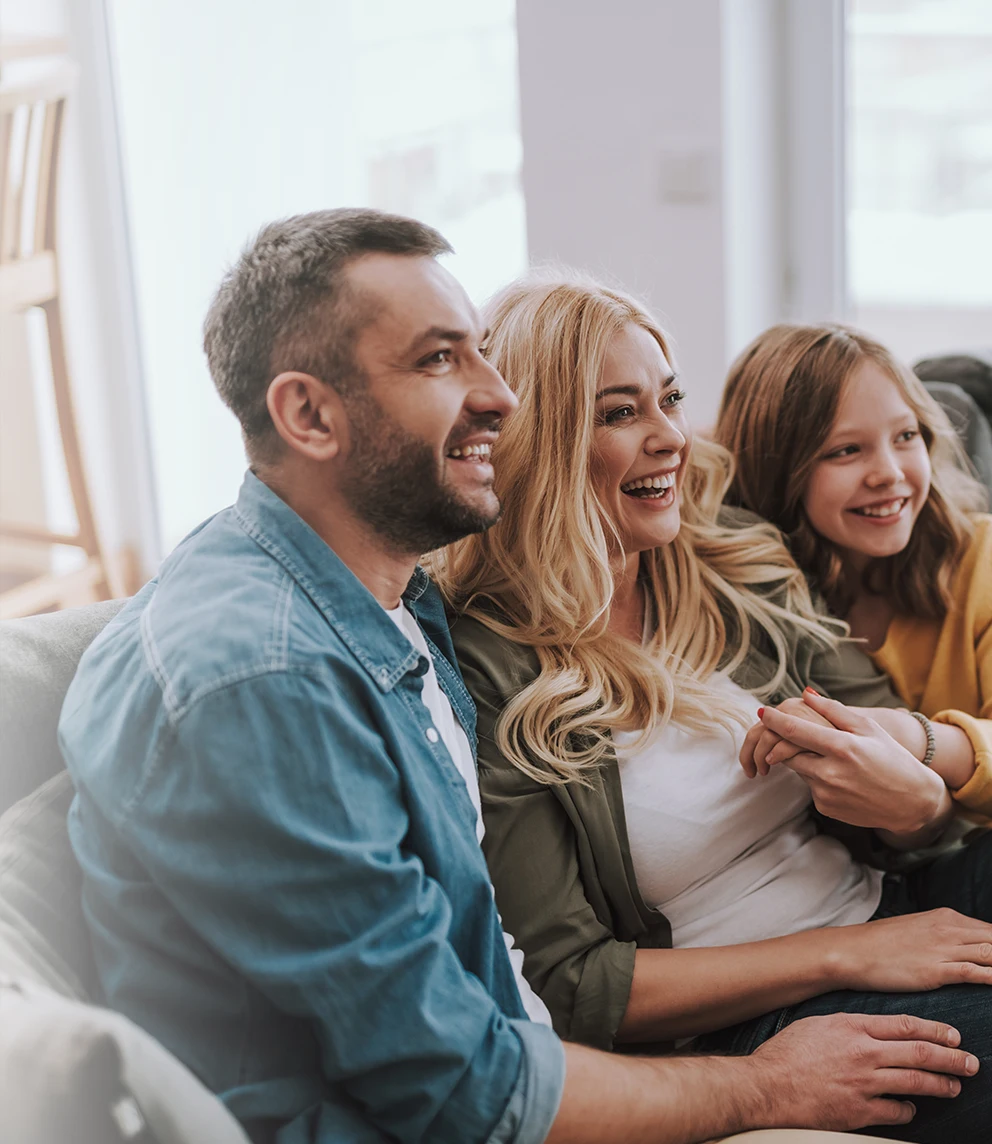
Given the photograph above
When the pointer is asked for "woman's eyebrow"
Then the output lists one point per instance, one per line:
(632, 390)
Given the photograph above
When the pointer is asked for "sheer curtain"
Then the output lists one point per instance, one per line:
(237, 112)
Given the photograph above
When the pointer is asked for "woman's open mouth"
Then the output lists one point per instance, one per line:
(659, 491)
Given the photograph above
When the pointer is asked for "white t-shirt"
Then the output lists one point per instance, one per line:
(728, 859)
(456, 741)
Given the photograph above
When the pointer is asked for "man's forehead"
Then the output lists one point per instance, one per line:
(412, 292)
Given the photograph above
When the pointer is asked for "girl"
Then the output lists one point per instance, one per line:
(845, 451)
(613, 631)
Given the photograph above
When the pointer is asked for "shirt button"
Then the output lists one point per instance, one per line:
(432, 735)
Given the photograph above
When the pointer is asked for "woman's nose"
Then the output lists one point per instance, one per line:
(665, 436)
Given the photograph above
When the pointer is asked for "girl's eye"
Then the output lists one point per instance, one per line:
(621, 413)
(673, 399)
(844, 451)
(908, 434)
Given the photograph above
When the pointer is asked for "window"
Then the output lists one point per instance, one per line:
(920, 172)
(309, 104)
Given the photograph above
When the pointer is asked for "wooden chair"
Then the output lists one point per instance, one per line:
(32, 115)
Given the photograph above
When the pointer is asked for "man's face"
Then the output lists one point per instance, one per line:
(423, 423)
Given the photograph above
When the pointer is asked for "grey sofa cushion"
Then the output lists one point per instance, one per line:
(70, 1071)
(43, 935)
(969, 424)
(38, 658)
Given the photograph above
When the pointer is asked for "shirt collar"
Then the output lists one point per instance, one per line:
(348, 606)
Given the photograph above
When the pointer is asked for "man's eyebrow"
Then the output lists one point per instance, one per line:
(437, 334)
(632, 390)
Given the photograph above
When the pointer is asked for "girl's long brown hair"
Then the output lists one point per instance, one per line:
(777, 411)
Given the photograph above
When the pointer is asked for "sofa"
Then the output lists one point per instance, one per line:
(70, 1068)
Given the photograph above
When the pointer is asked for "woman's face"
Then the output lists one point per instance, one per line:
(872, 475)
(642, 440)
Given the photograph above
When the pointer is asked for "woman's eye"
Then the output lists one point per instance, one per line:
(674, 399)
(621, 413)
(909, 434)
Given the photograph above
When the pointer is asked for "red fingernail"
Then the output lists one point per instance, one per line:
(813, 691)
(761, 712)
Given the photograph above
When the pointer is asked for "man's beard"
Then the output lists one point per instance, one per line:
(393, 484)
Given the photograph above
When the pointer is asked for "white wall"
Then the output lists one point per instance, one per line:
(621, 119)
(690, 151)
(238, 112)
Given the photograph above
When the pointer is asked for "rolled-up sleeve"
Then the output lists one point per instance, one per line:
(533, 1106)
(290, 862)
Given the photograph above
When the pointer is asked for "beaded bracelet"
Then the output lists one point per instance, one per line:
(927, 726)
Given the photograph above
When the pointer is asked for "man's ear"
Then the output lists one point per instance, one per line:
(308, 415)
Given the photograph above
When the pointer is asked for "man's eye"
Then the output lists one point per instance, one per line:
(439, 357)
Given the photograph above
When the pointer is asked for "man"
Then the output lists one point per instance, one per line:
(277, 811)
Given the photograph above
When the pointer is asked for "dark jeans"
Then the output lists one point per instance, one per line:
(963, 881)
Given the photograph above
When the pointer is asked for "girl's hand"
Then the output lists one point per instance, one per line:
(858, 773)
(912, 953)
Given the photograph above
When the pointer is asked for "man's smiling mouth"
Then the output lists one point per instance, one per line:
(475, 453)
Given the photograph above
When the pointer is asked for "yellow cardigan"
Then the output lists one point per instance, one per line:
(944, 668)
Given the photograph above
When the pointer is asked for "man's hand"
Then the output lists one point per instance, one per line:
(844, 1071)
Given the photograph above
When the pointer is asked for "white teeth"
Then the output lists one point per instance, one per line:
(472, 451)
(663, 482)
(882, 510)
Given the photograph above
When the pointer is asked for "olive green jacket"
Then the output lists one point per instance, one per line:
(559, 855)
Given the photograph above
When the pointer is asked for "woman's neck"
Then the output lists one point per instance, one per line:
(627, 609)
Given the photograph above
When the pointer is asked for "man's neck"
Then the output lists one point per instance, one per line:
(383, 571)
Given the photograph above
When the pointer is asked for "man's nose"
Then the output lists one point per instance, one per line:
(490, 393)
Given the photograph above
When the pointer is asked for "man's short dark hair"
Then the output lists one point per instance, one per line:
(285, 305)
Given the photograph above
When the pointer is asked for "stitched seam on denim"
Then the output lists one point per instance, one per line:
(455, 780)
(385, 679)
(169, 697)
(239, 675)
(278, 646)
(204, 693)
(783, 1018)
(458, 684)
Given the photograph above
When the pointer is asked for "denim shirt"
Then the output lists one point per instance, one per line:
(281, 874)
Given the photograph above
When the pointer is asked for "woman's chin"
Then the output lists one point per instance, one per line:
(664, 532)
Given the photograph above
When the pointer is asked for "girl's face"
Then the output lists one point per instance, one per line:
(872, 475)
(642, 440)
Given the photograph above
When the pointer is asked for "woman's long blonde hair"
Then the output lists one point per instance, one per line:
(779, 407)
(542, 575)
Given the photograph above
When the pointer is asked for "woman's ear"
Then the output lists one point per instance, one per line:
(308, 415)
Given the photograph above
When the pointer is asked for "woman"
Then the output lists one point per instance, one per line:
(613, 636)
(845, 451)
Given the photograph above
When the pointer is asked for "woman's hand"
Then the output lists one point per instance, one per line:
(858, 773)
(911, 953)
(762, 749)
